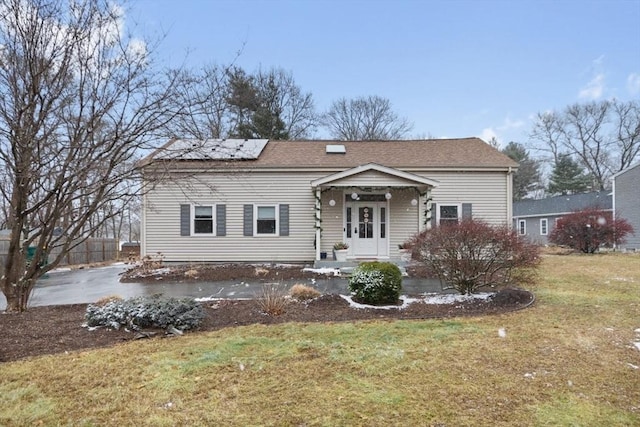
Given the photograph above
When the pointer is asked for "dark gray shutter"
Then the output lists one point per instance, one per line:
(434, 212)
(221, 220)
(284, 220)
(466, 211)
(248, 220)
(185, 220)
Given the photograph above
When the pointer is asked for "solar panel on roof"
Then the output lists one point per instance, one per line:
(214, 149)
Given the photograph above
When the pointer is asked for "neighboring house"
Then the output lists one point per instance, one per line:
(626, 203)
(537, 218)
(291, 201)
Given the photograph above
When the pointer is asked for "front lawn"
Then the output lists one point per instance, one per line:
(571, 359)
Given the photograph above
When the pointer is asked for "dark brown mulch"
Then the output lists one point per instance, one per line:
(57, 329)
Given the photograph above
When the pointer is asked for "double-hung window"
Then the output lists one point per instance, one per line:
(544, 226)
(203, 220)
(522, 227)
(266, 220)
(448, 214)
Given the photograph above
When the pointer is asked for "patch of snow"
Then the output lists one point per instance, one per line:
(60, 270)
(637, 344)
(637, 331)
(530, 375)
(502, 333)
(405, 303)
(453, 298)
(632, 366)
(324, 270)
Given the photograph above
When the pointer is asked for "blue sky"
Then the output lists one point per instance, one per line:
(454, 68)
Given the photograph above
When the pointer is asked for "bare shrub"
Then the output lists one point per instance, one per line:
(473, 254)
(590, 229)
(303, 292)
(272, 299)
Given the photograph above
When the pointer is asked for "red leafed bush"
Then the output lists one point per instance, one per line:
(589, 229)
(473, 254)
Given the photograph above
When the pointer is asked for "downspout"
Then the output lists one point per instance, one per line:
(143, 227)
(510, 197)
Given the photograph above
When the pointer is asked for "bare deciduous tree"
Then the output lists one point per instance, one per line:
(365, 119)
(226, 101)
(79, 101)
(604, 136)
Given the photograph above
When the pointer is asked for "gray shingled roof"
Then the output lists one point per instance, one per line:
(562, 204)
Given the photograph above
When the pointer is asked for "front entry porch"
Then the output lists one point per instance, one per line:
(371, 208)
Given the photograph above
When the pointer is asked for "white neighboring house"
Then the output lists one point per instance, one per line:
(626, 203)
(291, 201)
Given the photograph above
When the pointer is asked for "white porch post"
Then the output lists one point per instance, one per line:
(318, 210)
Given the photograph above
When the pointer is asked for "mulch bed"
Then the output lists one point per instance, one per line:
(57, 329)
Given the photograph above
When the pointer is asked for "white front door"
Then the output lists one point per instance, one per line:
(367, 228)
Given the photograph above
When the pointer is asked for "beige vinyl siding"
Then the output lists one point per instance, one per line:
(486, 191)
(161, 220)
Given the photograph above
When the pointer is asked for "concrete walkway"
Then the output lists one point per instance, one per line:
(64, 286)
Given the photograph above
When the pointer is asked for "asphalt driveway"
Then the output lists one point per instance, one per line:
(66, 286)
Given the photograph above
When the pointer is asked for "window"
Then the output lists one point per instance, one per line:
(266, 220)
(522, 227)
(544, 226)
(448, 214)
(203, 220)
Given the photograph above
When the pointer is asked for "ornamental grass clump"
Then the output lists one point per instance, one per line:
(273, 299)
(376, 283)
(146, 312)
(303, 292)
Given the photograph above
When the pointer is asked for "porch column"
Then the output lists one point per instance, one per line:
(428, 212)
(318, 210)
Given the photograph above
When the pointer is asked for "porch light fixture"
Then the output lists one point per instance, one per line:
(354, 195)
(387, 196)
(414, 202)
(332, 202)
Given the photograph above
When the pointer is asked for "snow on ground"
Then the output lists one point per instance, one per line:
(325, 270)
(428, 299)
(453, 298)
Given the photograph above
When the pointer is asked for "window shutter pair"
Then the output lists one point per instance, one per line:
(185, 220)
(248, 220)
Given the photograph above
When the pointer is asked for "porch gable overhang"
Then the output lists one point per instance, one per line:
(410, 178)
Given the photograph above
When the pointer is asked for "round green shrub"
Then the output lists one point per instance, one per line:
(376, 283)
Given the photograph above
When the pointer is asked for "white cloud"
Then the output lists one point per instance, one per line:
(594, 89)
(633, 83)
(487, 134)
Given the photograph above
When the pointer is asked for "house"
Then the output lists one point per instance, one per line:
(626, 203)
(291, 201)
(537, 218)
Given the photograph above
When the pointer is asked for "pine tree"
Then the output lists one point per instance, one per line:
(527, 178)
(568, 177)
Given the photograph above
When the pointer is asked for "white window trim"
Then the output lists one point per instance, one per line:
(255, 219)
(213, 218)
(544, 221)
(439, 207)
(522, 225)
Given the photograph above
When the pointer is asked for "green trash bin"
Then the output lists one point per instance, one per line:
(31, 252)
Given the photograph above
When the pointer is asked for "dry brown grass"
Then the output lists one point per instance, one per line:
(569, 360)
(303, 292)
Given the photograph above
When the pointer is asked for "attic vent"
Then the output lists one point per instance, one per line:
(336, 149)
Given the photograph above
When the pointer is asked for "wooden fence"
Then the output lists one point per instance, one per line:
(90, 251)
